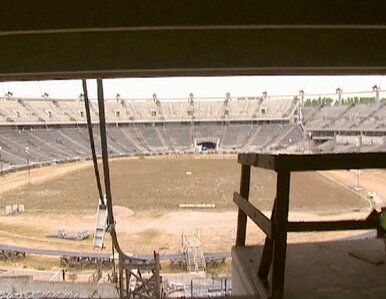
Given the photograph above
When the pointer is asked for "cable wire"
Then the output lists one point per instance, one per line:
(92, 143)
(106, 172)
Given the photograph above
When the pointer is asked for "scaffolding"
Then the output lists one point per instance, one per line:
(140, 279)
(191, 247)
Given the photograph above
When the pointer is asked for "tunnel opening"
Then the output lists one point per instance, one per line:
(207, 146)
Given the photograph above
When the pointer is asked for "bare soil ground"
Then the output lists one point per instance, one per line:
(372, 180)
(162, 184)
(146, 194)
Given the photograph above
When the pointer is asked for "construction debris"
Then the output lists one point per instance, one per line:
(14, 209)
(62, 234)
(197, 205)
(11, 255)
(85, 262)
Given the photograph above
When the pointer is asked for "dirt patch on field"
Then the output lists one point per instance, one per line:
(146, 195)
(163, 184)
(38, 175)
(146, 232)
(372, 180)
(122, 212)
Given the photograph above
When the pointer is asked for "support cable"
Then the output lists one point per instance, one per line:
(92, 143)
(106, 172)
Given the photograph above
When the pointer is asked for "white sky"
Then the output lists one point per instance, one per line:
(180, 87)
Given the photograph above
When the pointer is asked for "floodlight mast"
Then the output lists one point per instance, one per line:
(339, 92)
(265, 95)
(301, 94)
(376, 89)
(28, 177)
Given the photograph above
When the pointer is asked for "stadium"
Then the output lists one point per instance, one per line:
(44, 131)
(264, 196)
(173, 169)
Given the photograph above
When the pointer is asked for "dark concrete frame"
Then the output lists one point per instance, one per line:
(71, 39)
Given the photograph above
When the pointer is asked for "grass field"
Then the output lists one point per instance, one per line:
(146, 194)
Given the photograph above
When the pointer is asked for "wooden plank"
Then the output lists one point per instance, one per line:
(310, 162)
(157, 276)
(242, 217)
(330, 161)
(331, 225)
(266, 256)
(258, 160)
(256, 215)
(127, 280)
(121, 285)
(280, 237)
(145, 267)
(247, 159)
(259, 286)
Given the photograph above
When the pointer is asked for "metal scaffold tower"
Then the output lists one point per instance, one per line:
(191, 247)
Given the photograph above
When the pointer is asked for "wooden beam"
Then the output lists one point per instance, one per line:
(331, 225)
(254, 214)
(311, 162)
(146, 14)
(280, 237)
(157, 289)
(146, 267)
(260, 287)
(121, 284)
(331, 161)
(258, 160)
(127, 279)
(149, 53)
(266, 256)
(242, 217)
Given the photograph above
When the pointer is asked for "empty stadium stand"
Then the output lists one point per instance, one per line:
(36, 132)
(346, 128)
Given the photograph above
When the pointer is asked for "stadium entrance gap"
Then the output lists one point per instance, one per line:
(205, 146)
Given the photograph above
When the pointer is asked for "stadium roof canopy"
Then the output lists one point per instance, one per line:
(73, 39)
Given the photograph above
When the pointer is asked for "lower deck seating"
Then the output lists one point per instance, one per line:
(18, 147)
